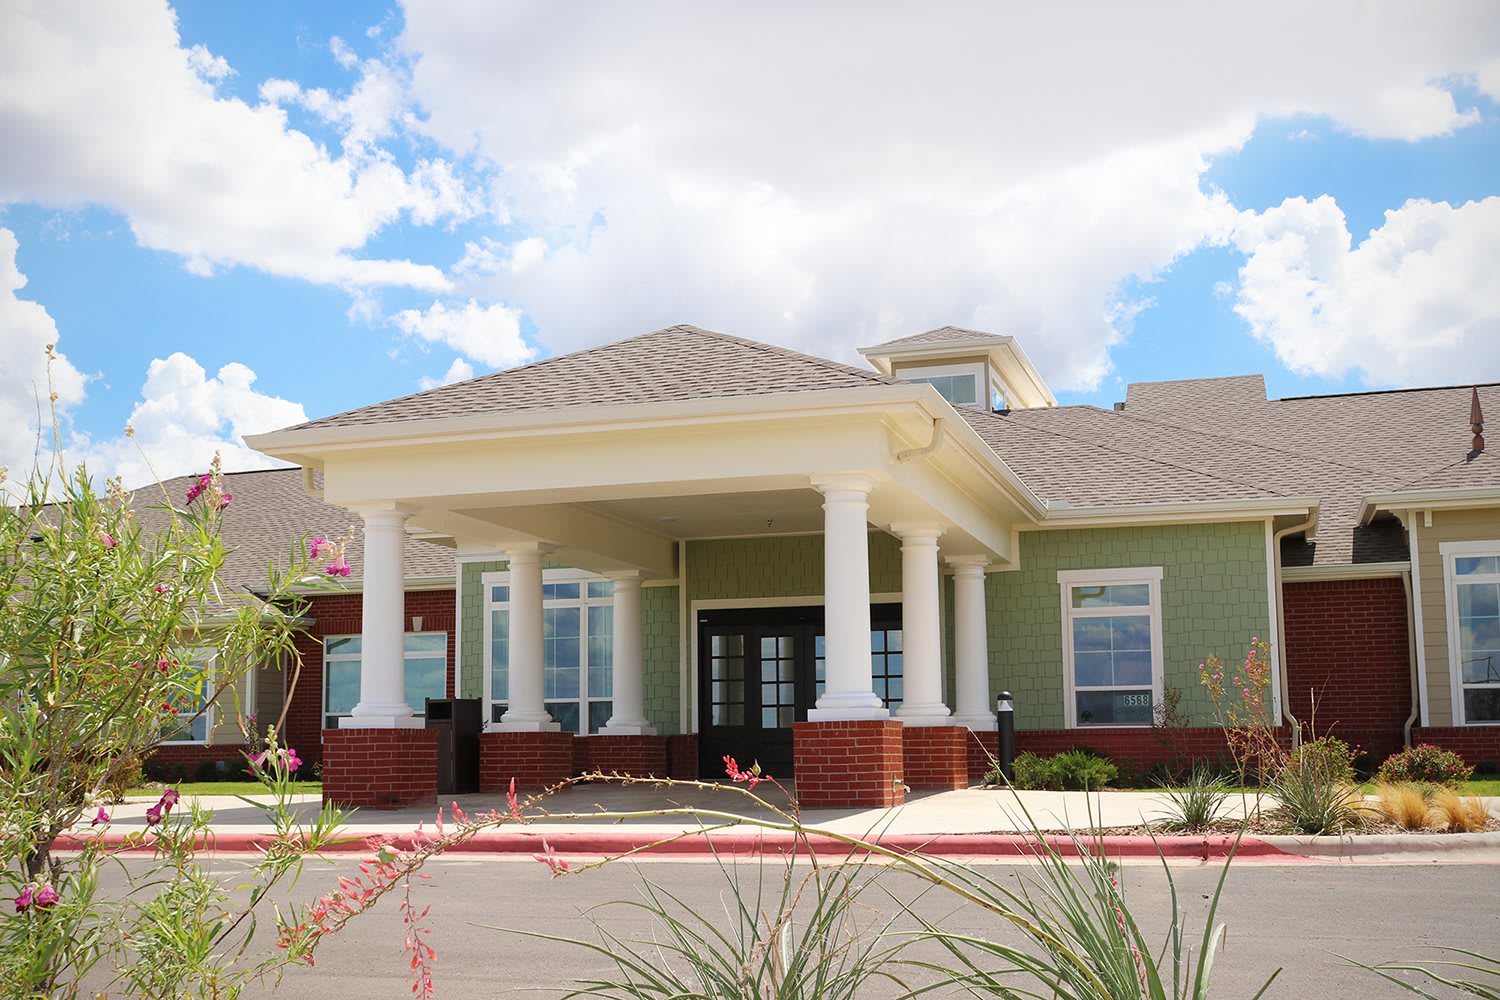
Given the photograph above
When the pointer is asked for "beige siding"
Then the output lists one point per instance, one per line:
(1481, 524)
(972, 359)
(270, 684)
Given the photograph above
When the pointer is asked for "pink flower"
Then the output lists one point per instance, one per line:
(339, 566)
(163, 807)
(169, 797)
(163, 588)
(46, 898)
(24, 900)
(100, 817)
(153, 815)
(224, 501)
(752, 776)
(197, 489)
(510, 797)
(107, 539)
(550, 858)
(316, 544)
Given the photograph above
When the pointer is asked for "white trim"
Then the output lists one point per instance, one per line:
(1273, 593)
(1453, 498)
(1345, 571)
(1417, 622)
(501, 578)
(732, 603)
(406, 654)
(1063, 515)
(1069, 578)
(687, 681)
(458, 628)
(1449, 552)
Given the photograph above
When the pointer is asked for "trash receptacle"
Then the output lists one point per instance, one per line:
(457, 723)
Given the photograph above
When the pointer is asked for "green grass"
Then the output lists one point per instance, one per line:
(226, 788)
(1477, 786)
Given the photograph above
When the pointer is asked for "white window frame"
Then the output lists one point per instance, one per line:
(360, 656)
(1068, 579)
(501, 578)
(981, 384)
(207, 656)
(1450, 552)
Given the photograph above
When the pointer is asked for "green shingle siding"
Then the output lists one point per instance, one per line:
(661, 635)
(1213, 594)
(784, 566)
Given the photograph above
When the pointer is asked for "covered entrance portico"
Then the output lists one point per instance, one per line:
(625, 492)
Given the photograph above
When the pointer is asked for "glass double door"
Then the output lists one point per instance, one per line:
(760, 670)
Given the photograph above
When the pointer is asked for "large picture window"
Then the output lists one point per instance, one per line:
(1472, 573)
(577, 647)
(426, 673)
(1112, 654)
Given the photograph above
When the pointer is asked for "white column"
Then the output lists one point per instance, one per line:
(525, 711)
(629, 716)
(922, 644)
(971, 667)
(382, 667)
(849, 692)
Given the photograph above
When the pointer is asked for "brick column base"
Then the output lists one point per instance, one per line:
(535, 760)
(982, 745)
(380, 768)
(682, 756)
(636, 756)
(935, 756)
(853, 764)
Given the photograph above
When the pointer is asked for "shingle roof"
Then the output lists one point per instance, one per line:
(270, 513)
(677, 363)
(941, 335)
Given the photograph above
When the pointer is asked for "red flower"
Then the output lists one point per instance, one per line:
(751, 777)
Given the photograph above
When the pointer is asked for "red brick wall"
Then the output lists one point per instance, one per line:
(1346, 648)
(981, 747)
(682, 756)
(935, 756)
(1141, 747)
(380, 768)
(637, 756)
(1475, 744)
(534, 760)
(189, 756)
(341, 614)
(854, 764)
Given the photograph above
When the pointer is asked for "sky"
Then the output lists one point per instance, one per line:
(229, 217)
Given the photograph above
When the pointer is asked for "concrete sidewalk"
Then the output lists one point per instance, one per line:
(971, 822)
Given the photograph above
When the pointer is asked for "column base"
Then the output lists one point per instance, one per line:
(849, 714)
(372, 768)
(852, 763)
(626, 729)
(407, 721)
(536, 760)
(682, 756)
(924, 715)
(635, 755)
(526, 726)
(936, 757)
(986, 723)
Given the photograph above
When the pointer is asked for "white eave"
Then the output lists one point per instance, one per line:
(1345, 571)
(1453, 498)
(1061, 515)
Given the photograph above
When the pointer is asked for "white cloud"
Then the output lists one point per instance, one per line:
(459, 371)
(1416, 302)
(184, 416)
(830, 175)
(25, 331)
(101, 104)
(489, 334)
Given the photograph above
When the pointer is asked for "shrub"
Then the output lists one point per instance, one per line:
(235, 769)
(1403, 804)
(1425, 763)
(1458, 814)
(1312, 804)
(206, 770)
(1080, 769)
(1327, 756)
(1198, 802)
(1032, 772)
(125, 775)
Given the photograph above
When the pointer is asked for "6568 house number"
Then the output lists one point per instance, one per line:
(1142, 700)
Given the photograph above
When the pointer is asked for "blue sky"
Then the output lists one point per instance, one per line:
(356, 201)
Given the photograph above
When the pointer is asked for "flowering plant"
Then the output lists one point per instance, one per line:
(1242, 702)
(116, 634)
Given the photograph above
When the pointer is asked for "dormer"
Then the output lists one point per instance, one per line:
(967, 367)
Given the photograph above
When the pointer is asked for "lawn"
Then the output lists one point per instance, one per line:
(226, 788)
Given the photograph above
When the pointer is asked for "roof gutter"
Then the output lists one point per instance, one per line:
(1452, 498)
(937, 442)
(1255, 508)
(308, 486)
(1286, 691)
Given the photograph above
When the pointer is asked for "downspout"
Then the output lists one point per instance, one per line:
(929, 448)
(1411, 660)
(1286, 689)
(308, 486)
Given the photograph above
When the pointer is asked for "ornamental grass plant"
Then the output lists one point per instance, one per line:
(1197, 803)
(1403, 804)
(1459, 814)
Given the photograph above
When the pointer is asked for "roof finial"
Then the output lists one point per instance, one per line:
(1476, 422)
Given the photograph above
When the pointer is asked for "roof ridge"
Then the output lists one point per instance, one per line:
(1153, 459)
(1387, 392)
(787, 352)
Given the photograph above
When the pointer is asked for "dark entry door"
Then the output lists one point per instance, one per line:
(760, 670)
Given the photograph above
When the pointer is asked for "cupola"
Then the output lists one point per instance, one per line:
(969, 368)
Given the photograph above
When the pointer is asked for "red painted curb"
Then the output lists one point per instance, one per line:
(999, 845)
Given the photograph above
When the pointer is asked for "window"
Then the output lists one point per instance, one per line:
(1112, 655)
(960, 390)
(577, 647)
(426, 673)
(962, 384)
(886, 665)
(188, 725)
(1472, 572)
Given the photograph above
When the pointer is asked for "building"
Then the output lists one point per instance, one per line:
(685, 545)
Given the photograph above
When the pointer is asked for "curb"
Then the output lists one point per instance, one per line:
(741, 844)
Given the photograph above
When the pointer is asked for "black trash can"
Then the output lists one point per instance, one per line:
(457, 723)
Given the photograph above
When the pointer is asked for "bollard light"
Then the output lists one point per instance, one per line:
(1005, 719)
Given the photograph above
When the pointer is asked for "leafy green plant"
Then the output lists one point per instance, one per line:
(1425, 764)
(1031, 771)
(1311, 803)
(1198, 802)
(1071, 770)
(1328, 756)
